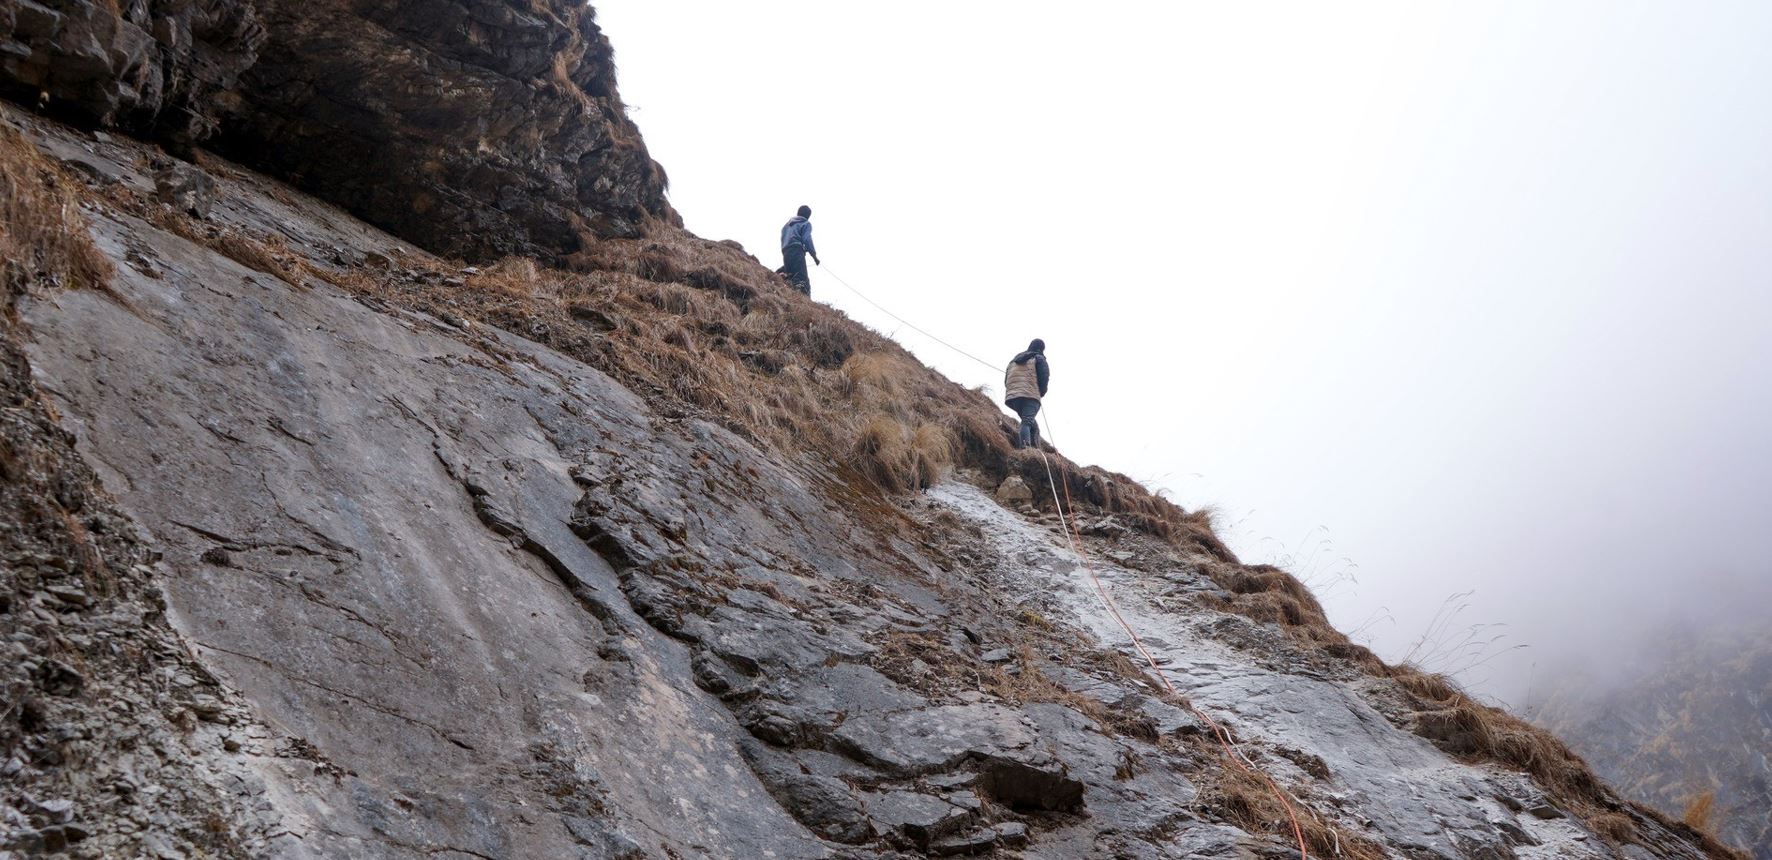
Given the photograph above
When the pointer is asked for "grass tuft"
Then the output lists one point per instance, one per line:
(42, 228)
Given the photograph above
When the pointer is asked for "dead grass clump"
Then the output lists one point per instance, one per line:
(932, 447)
(1698, 813)
(512, 277)
(1615, 828)
(883, 453)
(1272, 607)
(822, 340)
(984, 436)
(872, 375)
(1244, 799)
(1201, 537)
(670, 255)
(1431, 686)
(1272, 596)
(1465, 727)
(1028, 684)
(1460, 729)
(41, 226)
(270, 255)
(924, 663)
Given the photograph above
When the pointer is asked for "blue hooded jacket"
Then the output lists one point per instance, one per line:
(798, 231)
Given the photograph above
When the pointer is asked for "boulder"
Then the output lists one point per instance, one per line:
(1014, 492)
(921, 818)
(186, 188)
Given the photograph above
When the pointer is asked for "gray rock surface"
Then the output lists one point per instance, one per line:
(1392, 783)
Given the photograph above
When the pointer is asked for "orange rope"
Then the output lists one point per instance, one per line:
(1075, 537)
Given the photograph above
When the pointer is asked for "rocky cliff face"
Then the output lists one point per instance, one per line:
(1692, 717)
(321, 546)
(152, 68)
(477, 128)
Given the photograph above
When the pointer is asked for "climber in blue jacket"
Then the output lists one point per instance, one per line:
(796, 243)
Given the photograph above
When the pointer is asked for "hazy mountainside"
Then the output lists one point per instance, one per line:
(320, 544)
(1692, 716)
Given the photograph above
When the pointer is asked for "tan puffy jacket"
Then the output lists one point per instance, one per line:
(1021, 380)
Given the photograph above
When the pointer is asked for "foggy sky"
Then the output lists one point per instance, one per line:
(1424, 298)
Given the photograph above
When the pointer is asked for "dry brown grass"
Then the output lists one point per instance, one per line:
(932, 447)
(883, 453)
(269, 255)
(1698, 813)
(1470, 729)
(42, 229)
(924, 663)
(1270, 595)
(1615, 828)
(899, 458)
(872, 376)
(1243, 799)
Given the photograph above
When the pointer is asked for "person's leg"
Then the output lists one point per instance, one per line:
(1030, 429)
(794, 261)
(1025, 408)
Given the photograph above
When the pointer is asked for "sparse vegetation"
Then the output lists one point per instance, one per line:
(41, 226)
(1466, 727)
(1243, 799)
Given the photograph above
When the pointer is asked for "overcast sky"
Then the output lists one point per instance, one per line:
(1480, 292)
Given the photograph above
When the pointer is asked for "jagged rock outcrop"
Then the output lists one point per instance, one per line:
(151, 67)
(475, 128)
(482, 600)
(1689, 716)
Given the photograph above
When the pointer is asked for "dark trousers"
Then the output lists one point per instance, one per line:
(793, 264)
(1027, 408)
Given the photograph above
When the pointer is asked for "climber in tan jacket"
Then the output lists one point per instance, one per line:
(1024, 383)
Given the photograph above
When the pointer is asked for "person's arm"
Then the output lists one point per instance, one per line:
(809, 248)
(1043, 372)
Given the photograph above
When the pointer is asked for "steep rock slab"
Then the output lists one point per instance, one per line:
(474, 128)
(152, 68)
(327, 484)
